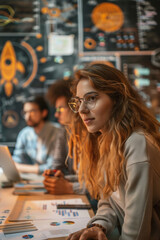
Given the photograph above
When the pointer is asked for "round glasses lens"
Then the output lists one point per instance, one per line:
(90, 104)
(60, 109)
(90, 101)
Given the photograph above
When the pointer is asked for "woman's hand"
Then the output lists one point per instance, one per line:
(94, 233)
(57, 184)
(53, 172)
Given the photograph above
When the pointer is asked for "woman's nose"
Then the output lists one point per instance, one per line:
(83, 108)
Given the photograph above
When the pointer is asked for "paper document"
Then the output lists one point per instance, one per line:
(47, 209)
(51, 229)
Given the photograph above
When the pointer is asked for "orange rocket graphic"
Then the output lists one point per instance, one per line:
(8, 68)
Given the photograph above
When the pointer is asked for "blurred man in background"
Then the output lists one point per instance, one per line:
(35, 145)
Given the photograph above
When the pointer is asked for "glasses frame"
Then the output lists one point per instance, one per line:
(80, 100)
(58, 109)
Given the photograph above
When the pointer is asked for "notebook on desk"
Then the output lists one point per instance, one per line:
(9, 168)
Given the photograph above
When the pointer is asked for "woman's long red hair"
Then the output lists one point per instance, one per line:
(100, 156)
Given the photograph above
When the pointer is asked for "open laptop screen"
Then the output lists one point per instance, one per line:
(8, 165)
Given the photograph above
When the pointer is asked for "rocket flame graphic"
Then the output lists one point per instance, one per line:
(8, 68)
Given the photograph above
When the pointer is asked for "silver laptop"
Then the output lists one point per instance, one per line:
(11, 172)
(8, 165)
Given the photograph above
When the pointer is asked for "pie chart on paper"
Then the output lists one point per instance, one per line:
(68, 222)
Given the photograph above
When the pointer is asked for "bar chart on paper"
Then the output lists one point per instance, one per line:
(47, 209)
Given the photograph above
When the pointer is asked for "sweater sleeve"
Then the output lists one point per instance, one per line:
(105, 216)
(77, 188)
(138, 191)
(59, 151)
(55, 150)
(138, 203)
(138, 194)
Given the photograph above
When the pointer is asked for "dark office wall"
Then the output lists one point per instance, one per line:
(45, 40)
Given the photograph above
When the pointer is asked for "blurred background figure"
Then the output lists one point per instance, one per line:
(155, 104)
(58, 96)
(35, 145)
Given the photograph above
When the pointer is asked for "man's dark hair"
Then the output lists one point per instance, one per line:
(60, 88)
(40, 102)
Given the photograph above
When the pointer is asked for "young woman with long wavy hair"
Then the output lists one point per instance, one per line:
(119, 155)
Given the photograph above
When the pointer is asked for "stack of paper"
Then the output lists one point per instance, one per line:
(17, 227)
(29, 188)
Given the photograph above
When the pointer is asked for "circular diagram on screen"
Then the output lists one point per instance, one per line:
(10, 119)
(102, 62)
(90, 43)
(107, 17)
(14, 71)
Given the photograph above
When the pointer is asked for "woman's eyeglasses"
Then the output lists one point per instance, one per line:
(89, 100)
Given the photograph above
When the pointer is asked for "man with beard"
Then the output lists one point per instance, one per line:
(35, 146)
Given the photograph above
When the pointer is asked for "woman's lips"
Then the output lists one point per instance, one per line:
(88, 121)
